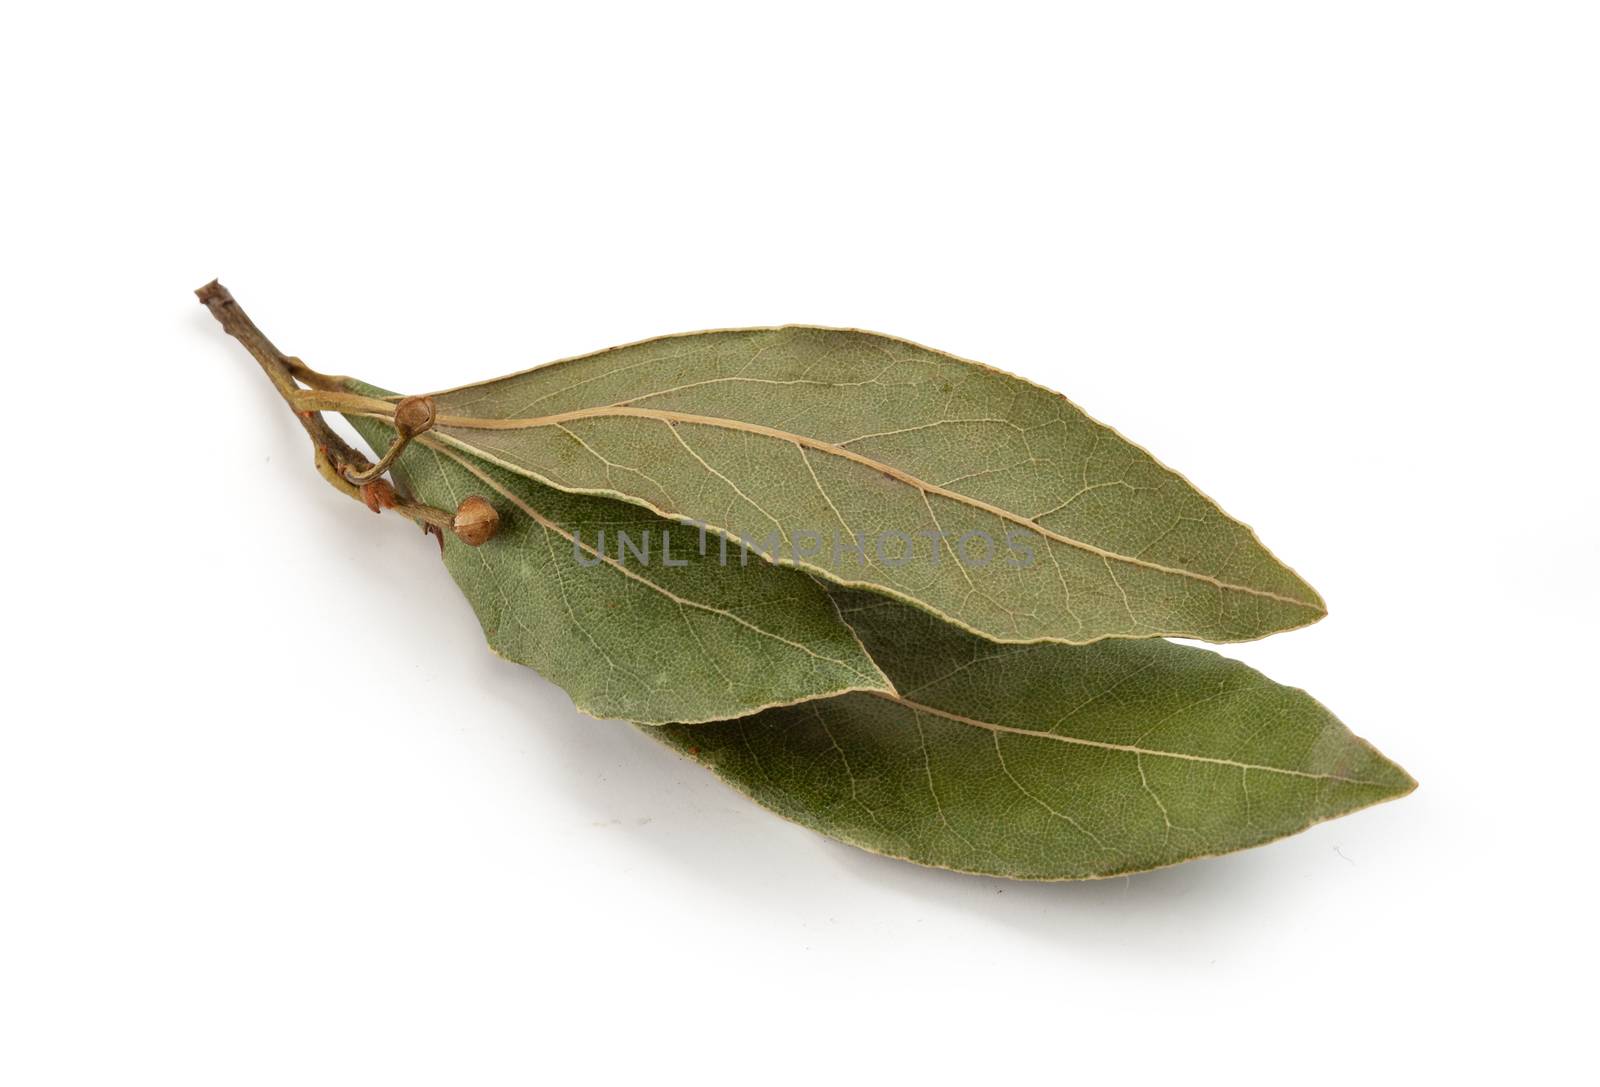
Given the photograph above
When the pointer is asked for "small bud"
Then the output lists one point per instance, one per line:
(413, 415)
(378, 495)
(475, 521)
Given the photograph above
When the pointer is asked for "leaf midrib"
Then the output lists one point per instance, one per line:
(666, 417)
(1106, 745)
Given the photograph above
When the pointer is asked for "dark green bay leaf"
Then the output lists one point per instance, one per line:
(1046, 761)
(644, 641)
(776, 434)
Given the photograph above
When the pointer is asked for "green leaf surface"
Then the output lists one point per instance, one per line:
(1046, 761)
(650, 642)
(777, 434)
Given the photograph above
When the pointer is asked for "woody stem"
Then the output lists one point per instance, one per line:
(337, 461)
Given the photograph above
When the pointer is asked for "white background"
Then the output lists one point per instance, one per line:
(270, 812)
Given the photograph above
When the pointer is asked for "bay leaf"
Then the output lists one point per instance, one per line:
(1046, 761)
(777, 435)
(627, 639)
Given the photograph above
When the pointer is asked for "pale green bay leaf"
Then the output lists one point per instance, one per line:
(648, 642)
(1046, 761)
(794, 430)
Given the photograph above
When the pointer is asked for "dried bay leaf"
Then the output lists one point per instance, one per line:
(766, 433)
(1046, 761)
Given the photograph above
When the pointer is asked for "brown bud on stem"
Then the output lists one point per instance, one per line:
(413, 415)
(378, 495)
(475, 521)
